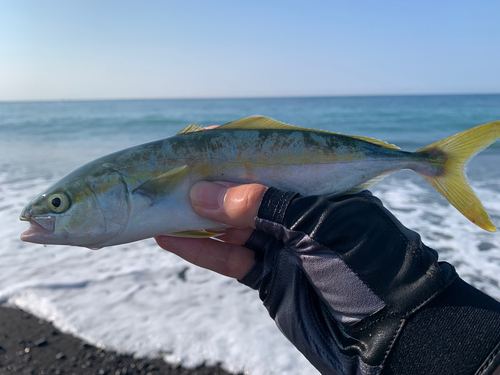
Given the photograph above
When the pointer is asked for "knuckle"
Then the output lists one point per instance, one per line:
(254, 196)
(243, 201)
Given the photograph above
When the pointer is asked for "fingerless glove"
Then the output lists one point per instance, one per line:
(358, 293)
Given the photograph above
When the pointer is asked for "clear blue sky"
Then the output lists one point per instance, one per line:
(241, 48)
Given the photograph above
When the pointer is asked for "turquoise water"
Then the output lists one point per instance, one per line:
(410, 121)
(132, 298)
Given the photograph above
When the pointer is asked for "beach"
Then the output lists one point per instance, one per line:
(139, 299)
(29, 345)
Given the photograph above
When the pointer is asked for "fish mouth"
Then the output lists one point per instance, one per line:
(41, 228)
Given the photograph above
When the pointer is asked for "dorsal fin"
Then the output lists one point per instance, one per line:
(262, 122)
(191, 129)
(258, 122)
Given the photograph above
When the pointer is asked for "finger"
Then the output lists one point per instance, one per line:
(227, 203)
(224, 258)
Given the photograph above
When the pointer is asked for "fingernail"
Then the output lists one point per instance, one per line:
(208, 195)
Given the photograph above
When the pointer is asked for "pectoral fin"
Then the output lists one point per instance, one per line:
(162, 183)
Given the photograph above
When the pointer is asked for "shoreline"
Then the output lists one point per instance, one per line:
(29, 345)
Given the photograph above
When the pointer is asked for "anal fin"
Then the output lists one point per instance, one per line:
(370, 182)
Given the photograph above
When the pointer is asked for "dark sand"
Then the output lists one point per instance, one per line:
(29, 345)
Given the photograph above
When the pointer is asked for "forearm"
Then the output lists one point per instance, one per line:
(376, 304)
(456, 333)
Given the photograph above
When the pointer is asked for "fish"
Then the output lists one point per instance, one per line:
(143, 191)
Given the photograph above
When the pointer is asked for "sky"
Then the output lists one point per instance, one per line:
(106, 49)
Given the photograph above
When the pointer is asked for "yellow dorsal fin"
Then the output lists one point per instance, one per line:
(191, 129)
(258, 122)
(262, 122)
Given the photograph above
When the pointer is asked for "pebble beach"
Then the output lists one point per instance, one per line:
(29, 345)
(141, 300)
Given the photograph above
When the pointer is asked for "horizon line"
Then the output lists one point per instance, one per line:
(241, 97)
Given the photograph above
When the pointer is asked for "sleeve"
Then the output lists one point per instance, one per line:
(358, 293)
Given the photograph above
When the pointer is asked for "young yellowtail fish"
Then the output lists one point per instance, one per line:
(143, 191)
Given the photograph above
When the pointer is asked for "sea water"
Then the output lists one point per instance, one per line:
(139, 299)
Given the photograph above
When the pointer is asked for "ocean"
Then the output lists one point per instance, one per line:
(139, 299)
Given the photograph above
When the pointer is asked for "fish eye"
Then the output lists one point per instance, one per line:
(58, 203)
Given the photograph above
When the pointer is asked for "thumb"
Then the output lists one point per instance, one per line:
(228, 203)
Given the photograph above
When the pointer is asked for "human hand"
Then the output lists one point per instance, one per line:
(344, 280)
(226, 203)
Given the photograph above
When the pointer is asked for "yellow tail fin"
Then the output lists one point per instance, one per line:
(452, 182)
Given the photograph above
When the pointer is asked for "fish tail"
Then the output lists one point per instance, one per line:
(450, 157)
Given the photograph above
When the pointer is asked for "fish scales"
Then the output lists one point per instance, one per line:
(215, 152)
(260, 147)
(143, 191)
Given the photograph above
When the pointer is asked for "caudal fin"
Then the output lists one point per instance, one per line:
(452, 182)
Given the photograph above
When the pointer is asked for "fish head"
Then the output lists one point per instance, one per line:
(86, 208)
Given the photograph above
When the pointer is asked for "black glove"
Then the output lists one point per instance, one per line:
(358, 293)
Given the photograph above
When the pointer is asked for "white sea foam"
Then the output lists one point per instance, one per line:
(139, 299)
(474, 252)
